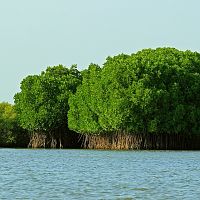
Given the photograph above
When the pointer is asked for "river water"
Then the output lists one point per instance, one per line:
(90, 174)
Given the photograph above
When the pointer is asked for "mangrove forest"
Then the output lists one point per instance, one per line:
(145, 100)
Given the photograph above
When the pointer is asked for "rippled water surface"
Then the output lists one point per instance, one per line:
(88, 174)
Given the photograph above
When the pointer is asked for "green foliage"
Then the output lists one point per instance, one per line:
(42, 104)
(84, 105)
(10, 132)
(7, 122)
(152, 91)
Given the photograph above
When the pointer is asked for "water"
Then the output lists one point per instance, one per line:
(88, 174)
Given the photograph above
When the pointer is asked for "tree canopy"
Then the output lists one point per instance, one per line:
(42, 104)
(152, 91)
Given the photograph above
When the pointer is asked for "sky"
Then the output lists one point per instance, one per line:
(35, 34)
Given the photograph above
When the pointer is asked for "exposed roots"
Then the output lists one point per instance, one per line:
(55, 140)
(38, 140)
(124, 141)
(41, 140)
(117, 141)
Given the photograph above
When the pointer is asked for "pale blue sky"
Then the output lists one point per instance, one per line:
(40, 33)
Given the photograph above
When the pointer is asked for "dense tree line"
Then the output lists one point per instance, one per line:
(152, 91)
(149, 99)
(152, 95)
